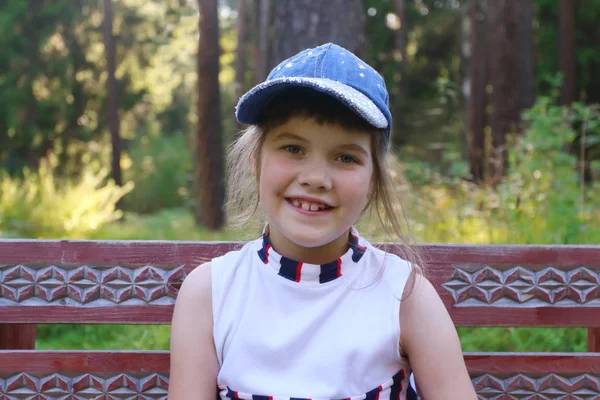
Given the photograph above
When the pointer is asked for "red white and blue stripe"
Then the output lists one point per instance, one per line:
(298, 271)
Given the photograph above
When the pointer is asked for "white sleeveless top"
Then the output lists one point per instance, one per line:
(290, 330)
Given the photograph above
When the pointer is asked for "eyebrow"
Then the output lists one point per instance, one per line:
(288, 135)
(355, 147)
(349, 146)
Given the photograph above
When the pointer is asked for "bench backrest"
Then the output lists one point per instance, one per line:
(137, 282)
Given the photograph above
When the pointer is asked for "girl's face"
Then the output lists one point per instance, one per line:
(315, 181)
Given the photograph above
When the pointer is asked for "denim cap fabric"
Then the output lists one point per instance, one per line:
(332, 70)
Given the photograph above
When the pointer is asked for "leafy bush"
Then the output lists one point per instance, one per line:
(168, 224)
(545, 187)
(40, 205)
(160, 167)
(543, 199)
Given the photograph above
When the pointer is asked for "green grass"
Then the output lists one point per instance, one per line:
(523, 339)
(103, 337)
(155, 337)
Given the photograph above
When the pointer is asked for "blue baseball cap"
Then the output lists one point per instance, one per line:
(329, 69)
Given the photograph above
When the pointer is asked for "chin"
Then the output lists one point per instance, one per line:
(310, 239)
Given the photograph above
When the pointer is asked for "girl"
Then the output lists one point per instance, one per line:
(311, 310)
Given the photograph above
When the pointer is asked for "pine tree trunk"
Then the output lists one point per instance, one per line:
(525, 52)
(504, 97)
(111, 88)
(476, 98)
(401, 43)
(264, 45)
(399, 90)
(567, 50)
(241, 50)
(210, 195)
(301, 24)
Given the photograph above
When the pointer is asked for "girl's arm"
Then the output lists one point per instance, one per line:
(194, 364)
(430, 340)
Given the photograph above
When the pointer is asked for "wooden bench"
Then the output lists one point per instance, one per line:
(137, 282)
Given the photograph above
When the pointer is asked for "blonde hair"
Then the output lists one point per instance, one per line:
(243, 163)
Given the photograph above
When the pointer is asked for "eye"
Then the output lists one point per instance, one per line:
(348, 159)
(292, 149)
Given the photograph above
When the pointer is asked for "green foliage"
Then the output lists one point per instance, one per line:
(52, 78)
(587, 39)
(154, 337)
(172, 224)
(102, 337)
(543, 186)
(544, 198)
(160, 167)
(523, 339)
(41, 205)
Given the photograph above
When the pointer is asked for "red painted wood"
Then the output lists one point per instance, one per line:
(174, 252)
(17, 336)
(532, 317)
(532, 363)
(153, 314)
(158, 361)
(139, 314)
(84, 362)
(111, 252)
(594, 340)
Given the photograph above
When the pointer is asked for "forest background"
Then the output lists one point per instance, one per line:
(114, 117)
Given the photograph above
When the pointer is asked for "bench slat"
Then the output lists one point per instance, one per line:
(143, 373)
(161, 315)
(127, 315)
(97, 281)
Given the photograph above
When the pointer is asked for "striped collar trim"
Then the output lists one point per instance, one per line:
(297, 271)
(394, 388)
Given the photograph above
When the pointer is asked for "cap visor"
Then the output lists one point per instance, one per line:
(251, 104)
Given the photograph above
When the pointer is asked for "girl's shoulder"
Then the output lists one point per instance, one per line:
(382, 257)
(225, 267)
(241, 253)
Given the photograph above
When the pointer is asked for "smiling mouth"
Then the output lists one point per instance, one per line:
(309, 205)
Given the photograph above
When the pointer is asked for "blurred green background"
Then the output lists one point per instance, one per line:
(55, 141)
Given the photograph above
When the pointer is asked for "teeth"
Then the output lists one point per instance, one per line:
(307, 206)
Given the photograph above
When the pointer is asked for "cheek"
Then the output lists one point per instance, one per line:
(274, 172)
(356, 187)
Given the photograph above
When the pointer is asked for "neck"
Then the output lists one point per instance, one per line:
(311, 255)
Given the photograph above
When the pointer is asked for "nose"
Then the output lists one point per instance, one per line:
(315, 175)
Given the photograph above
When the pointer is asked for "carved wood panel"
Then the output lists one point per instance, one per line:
(155, 386)
(550, 386)
(86, 386)
(88, 285)
(483, 285)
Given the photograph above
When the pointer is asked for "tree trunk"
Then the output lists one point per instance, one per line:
(401, 42)
(111, 88)
(525, 52)
(504, 97)
(264, 20)
(210, 194)
(399, 90)
(567, 50)
(301, 24)
(241, 49)
(476, 98)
